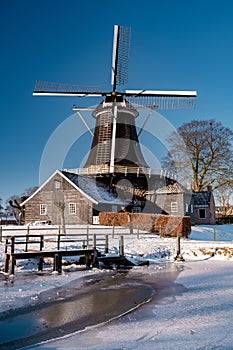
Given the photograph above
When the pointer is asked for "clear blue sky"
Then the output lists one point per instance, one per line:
(176, 44)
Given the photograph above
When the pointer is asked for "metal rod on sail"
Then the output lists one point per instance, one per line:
(145, 122)
(83, 120)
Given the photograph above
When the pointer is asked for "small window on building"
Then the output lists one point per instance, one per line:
(72, 208)
(174, 207)
(114, 208)
(43, 209)
(202, 213)
(57, 184)
(136, 210)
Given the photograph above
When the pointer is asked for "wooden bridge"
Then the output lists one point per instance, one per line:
(90, 255)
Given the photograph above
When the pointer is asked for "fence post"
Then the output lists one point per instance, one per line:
(27, 238)
(58, 241)
(179, 256)
(41, 242)
(6, 245)
(106, 244)
(113, 231)
(12, 260)
(7, 260)
(94, 241)
(94, 258)
(57, 263)
(12, 244)
(121, 247)
(40, 263)
(87, 236)
(214, 234)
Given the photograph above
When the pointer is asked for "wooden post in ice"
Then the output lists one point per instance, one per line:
(121, 247)
(214, 231)
(106, 244)
(12, 260)
(179, 256)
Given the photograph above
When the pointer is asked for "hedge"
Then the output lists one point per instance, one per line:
(165, 225)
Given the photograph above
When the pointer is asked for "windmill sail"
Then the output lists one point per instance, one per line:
(60, 89)
(120, 55)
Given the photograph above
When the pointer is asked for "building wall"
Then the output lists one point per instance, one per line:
(59, 191)
(165, 201)
(208, 209)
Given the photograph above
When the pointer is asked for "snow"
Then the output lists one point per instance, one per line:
(196, 314)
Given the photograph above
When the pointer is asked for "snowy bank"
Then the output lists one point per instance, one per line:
(199, 317)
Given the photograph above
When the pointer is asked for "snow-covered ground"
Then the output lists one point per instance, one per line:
(200, 316)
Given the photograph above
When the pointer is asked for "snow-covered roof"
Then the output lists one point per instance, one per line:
(87, 186)
(175, 187)
(201, 198)
(93, 189)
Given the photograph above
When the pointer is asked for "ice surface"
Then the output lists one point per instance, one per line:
(199, 317)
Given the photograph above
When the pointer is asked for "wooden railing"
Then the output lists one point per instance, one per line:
(105, 169)
(84, 246)
(84, 231)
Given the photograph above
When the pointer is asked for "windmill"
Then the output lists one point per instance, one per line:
(115, 147)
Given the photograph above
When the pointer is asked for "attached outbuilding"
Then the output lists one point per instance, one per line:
(204, 207)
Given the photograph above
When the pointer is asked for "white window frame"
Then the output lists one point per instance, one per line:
(43, 209)
(174, 207)
(57, 184)
(72, 208)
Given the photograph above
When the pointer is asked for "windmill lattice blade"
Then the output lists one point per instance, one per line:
(51, 88)
(122, 59)
(123, 55)
(162, 102)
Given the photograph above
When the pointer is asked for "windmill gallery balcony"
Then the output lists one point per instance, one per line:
(105, 169)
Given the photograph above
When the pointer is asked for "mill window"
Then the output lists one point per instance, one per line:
(43, 209)
(72, 208)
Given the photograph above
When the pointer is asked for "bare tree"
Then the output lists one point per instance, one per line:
(29, 191)
(13, 203)
(223, 197)
(201, 154)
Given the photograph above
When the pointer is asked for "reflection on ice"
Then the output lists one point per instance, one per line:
(76, 307)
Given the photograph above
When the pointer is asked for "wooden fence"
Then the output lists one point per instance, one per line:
(77, 233)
